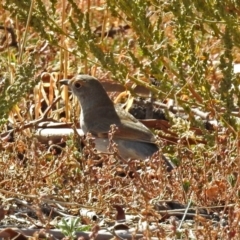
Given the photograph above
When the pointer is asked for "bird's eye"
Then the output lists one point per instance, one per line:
(77, 85)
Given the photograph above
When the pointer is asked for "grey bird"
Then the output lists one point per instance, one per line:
(98, 113)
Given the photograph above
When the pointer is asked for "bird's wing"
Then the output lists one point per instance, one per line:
(131, 128)
(128, 127)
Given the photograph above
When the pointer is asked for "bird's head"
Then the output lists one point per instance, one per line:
(88, 90)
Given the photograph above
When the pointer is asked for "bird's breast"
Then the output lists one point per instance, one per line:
(83, 124)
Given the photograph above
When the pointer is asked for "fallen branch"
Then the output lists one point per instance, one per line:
(4, 136)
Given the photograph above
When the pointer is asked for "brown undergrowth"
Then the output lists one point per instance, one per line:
(181, 53)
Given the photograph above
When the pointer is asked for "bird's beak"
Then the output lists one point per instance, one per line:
(64, 82)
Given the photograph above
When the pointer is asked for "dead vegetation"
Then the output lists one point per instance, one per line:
(182, 53)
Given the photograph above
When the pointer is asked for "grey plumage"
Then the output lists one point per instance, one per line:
(98, 113)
